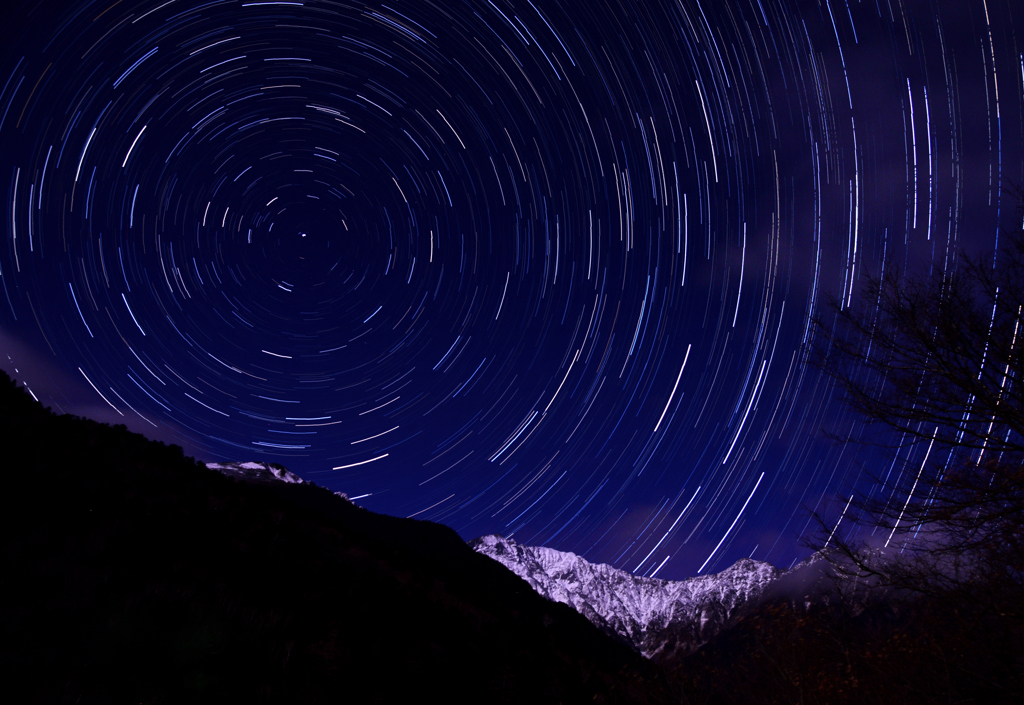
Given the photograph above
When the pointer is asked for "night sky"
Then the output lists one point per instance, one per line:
(540, 268)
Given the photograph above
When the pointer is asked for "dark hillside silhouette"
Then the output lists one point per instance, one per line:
(917, 651)
(134, 574)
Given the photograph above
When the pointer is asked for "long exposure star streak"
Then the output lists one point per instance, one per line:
(544, 268)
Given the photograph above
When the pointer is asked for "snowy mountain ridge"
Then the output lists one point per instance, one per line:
(253, 471)
(654, 616)
(257, 472)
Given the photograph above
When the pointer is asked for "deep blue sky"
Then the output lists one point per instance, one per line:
(543, 269)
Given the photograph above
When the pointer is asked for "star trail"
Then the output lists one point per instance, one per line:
(542, 268)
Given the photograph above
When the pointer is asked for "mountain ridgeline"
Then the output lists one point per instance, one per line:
(658, 618)
(132, 573)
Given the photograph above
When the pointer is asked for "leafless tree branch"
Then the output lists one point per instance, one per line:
(937, 360)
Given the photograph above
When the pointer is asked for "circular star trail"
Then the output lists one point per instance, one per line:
(540, 268)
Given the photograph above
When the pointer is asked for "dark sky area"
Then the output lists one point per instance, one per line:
(544, 268)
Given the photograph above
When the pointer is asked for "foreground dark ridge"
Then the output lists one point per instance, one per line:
(134, 574)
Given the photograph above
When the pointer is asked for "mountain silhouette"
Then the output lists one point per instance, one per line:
(132, 573)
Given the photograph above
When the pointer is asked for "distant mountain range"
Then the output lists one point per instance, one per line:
(660, 619)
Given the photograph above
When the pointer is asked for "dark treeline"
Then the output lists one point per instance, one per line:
(902, 649)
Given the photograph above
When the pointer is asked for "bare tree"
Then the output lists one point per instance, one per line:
(936, 360)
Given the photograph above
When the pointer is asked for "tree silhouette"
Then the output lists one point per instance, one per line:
(937, 359)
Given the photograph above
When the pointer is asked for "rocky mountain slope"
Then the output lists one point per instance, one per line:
(257, 472)
(656, 617)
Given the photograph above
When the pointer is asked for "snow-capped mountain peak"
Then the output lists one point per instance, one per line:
(653, 615)
(253, 471)
(257, 472)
